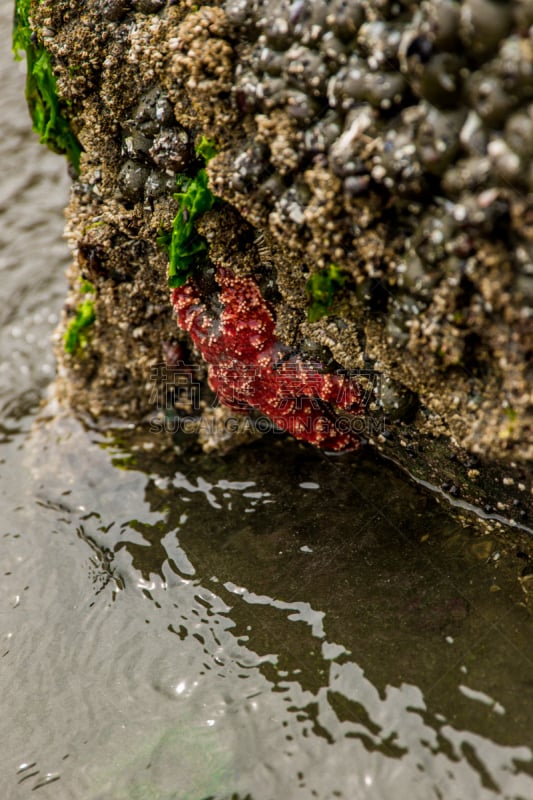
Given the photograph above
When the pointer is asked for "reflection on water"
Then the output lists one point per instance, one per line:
(254, 626)
(272, 624)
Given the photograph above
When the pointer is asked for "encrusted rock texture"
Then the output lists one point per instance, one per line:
(392, 139)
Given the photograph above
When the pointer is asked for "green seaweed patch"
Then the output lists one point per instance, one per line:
(41, 89)
(186, 247)
(86, 286)
(76, 333)
(321, 289)
(125, 462)
(206, 149)
(512, 416)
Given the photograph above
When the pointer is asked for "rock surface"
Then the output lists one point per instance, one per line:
(393, 140)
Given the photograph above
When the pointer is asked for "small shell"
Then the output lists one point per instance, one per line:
(345, 17)
(171, 149)
(131, 180)
(483, 24)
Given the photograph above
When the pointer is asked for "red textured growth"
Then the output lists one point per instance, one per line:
(249, 368)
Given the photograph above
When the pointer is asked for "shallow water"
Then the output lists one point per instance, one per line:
(272, 624)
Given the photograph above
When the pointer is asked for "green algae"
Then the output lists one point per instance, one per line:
(86, 287)
(186, 247)
(206, 149)
(321, 289)
(42, 96)
(76, 332)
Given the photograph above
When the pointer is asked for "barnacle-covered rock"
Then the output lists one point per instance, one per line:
(389, 143)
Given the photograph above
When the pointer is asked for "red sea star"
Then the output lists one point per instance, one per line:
(249, 368)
